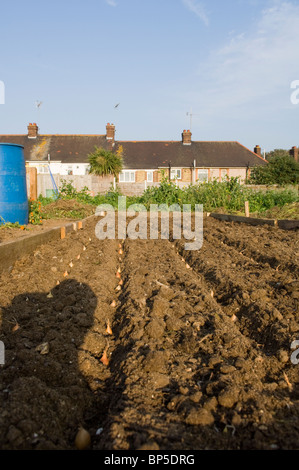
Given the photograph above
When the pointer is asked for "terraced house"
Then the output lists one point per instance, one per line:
(50, 158)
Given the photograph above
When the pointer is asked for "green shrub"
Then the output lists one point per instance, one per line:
(227, 196)
(282, 169)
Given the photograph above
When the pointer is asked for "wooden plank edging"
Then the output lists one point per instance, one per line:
(286, 224)
(12, 250)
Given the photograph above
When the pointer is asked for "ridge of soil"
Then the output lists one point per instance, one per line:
(199, 355)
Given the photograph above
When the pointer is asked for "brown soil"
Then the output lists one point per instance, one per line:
(199, 356)
(55, 214)
(11, 233)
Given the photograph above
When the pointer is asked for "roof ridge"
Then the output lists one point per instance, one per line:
(51, 135)
(255, 154)
(180, 142)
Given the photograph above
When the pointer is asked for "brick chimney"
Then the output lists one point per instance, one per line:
(258, 150)
(32, 131)
(110, 132)
(294, 153)
(186, 137)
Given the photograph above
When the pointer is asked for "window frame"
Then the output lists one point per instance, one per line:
(130, 173)
(151, 172)
(70, 170)
(204, 171)
(43, 169)
(176, 170)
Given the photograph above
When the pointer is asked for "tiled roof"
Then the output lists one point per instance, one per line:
(145, 155)
(67, 148)
(139, 154)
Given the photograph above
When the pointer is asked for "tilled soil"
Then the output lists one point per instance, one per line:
(199, 349)
(12, 233)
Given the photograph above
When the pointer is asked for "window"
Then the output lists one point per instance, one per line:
(176, 174)
(69, 170)
(202, 176)
(149, 176)
(43, 169)
(127, 176)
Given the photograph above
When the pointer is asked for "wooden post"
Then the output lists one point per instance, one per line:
(32, 172)
(246, 209)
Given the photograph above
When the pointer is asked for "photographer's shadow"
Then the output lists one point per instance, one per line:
(44, 397)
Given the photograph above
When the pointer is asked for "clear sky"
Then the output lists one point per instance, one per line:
(229, 62)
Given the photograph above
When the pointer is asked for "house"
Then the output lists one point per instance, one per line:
(186, 161)
(62, 154)
(55, 157)
(58, 157)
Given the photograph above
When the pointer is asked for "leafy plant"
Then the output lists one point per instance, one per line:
(35, 217)
(166, 193)
(282, 169)
(11, 225)
(225, 196)
(103, 162)
(67, 190)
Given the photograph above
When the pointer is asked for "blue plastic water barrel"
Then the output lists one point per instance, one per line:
(13, 187)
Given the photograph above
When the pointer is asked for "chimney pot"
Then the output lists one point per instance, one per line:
(258, 150)
(186, 137)
(32, 131)
(294, 153)
(110, 132)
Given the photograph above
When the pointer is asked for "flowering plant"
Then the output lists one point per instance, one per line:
(35, 217)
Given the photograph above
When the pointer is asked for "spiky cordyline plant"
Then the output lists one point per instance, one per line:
(104, 162)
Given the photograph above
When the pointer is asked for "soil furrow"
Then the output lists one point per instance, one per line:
(198, 356)
(265, 245)
(254, 293)
(180, 361)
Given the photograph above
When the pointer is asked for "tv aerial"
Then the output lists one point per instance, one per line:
(191, 114)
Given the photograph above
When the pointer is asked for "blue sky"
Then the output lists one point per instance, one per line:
(230, 62)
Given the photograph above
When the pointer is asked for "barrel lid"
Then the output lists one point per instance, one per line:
(12, 145)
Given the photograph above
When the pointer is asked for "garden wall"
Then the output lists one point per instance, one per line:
(96, 184)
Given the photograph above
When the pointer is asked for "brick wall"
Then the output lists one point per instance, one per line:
(238, 172)
(156, 176)
(186, 175)
(135, 189)
(140, 176)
